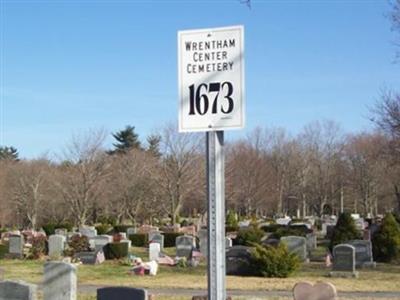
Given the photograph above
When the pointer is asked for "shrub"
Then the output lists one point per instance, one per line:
(231, 219)
(386, 241)
(272, 228)
(50, 228)
(249, 236)
(345, 230)
(139, 239)
(3, 250)
(39, 247)
(122, 228)
(77, 244)
(169, 238)
(231, 228)
(271, 261)
(116, 250)
(103, 228)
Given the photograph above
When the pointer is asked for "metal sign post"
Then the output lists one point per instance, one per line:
(216, 215)
(211, 99)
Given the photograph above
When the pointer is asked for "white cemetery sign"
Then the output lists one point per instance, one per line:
(211, 79)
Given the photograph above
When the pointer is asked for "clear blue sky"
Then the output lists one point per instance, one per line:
(67, 66)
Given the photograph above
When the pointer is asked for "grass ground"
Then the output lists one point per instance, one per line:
(384, 278)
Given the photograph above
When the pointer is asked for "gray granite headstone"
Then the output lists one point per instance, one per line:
(121, 293)
(17, 290)
(157, 237)
(16, 246)
(311, 239)
(89, 231)
(228, 242)
(56, 245)
(364, 256)
(203, 240)
(90, 258)
(100, 241)
(184, 246)
(60, 281)
(344, 261)
(131, 230)
(297, 245)
(238, 261)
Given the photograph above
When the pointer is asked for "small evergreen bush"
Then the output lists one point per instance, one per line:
(249, 236)
(231, 219)
(116, 250)
(271, 261)
(170, 237)
(103, 228)
(39, 247)
(345, 230)
(140, 239)
(386, 241)
(122, 228)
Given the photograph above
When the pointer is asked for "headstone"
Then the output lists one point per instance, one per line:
(131, 230)
(60, 281)
(203, 239)
(311, 239)
(88, 231)
(121, 293)
(17, 290)
(228, 242)
(283, 221)
(100, 241)
(91, 258)
(61, 231)
(185, 245)
(364, 256)
(157, 237)
(360, 224)
(238, 261)
(154, 251)
(344, 261)
(16, 246)
(297, 245)
(56, 245)
(318, 291)
(244, 224)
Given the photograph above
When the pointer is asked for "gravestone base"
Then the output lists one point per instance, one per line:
(14, 256)
(369, 265)
(206, 298)
(343, 274)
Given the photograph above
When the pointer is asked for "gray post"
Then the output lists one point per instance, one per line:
(216, 215)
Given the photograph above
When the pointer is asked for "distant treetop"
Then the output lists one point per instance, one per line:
(8, 153)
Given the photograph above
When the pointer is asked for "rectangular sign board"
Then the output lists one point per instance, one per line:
(211, 79)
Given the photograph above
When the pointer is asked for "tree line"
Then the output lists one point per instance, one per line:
(320, 170)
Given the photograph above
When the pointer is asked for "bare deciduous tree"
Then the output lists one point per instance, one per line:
(82, 174)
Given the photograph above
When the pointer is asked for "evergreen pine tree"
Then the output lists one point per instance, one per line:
(153, 147)
(386, 241)
(127, 140)
(345, 230)
(8, 153)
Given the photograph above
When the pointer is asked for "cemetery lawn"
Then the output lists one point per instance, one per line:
(384, 278)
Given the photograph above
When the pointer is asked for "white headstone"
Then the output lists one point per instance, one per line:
(154, 251)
